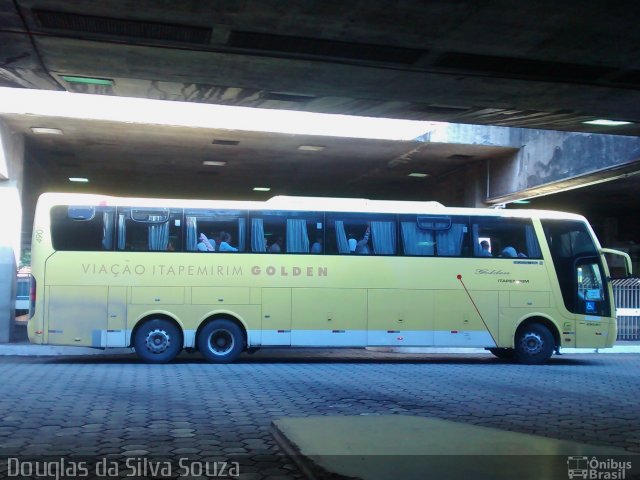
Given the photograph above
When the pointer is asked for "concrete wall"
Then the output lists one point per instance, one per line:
(11, 181)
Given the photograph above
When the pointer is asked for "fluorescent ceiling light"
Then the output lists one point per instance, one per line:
(233, 143)
(521, 202)
(607, 123)
(87, 80)
(78, 179)
(214, 163)
(418, 175)
(46, 103)
(46, 131)
(261, 189)
(311, 148)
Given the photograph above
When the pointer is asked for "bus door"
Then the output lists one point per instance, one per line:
(581, 278)
(591, 302)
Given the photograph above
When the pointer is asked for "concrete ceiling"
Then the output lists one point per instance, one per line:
(168, 161)
(547, 65)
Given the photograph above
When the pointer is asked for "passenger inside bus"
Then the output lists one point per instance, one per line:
(362, 247)
(276, 247)
(317, 246)
(485, 249)
(206, 245)
(353, 243)
(225, 243)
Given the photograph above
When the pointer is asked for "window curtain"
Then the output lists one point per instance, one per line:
(242, 228)
(122, 232)
(107, 230)
(158, 234)
(257, 235)
(450, 241)
(384, 238)
(416, 241)
(297, 237)
(533, 249)
(341, 238)
(476, 240)
(192, 234)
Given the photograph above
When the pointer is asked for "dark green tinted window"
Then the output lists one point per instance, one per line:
(82, 228)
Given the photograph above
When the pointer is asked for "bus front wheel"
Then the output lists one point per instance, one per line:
(221, 341)
(157, 341)
(534, 344)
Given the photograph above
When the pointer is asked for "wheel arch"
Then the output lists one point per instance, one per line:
(542, 320)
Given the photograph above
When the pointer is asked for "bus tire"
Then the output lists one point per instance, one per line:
(503, 353)
(534, 344)
(157, 341)
(221, 341)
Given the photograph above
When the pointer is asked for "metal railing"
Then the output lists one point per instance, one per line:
(626, 292)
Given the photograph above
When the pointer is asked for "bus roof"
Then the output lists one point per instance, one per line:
(283, 202)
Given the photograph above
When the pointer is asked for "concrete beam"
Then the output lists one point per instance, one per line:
(552, 162)
(542, 162)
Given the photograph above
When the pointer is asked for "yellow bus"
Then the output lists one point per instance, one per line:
(224, 277)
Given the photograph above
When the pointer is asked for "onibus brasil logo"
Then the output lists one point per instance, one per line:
(594, 468)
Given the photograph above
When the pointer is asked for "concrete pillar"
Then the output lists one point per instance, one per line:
(475, 190)
(11, 177)
(7, 293)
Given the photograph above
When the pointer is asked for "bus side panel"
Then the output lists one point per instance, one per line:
(329, 317)
(117, 321)
(276, 316)
(593, 332)
(400, 317)
(78, 315)
(457, 322)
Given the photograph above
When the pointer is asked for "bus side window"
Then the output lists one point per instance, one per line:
(505, 237)
(361, 234)
(287, 232)
(431, 235)
(219, 227)
(82, 228)
(148, 229)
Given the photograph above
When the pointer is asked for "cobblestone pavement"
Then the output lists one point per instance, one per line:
(76, 407)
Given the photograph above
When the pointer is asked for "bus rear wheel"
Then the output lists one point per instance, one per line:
(157, 341)
(221, 341)
(534, 344)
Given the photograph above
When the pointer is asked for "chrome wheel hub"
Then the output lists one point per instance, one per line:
(157, 341)
(221, 342)
(532, 343)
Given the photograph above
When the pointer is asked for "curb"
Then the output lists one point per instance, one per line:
(28, 350)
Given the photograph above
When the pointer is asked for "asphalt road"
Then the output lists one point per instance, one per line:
(114, 407)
